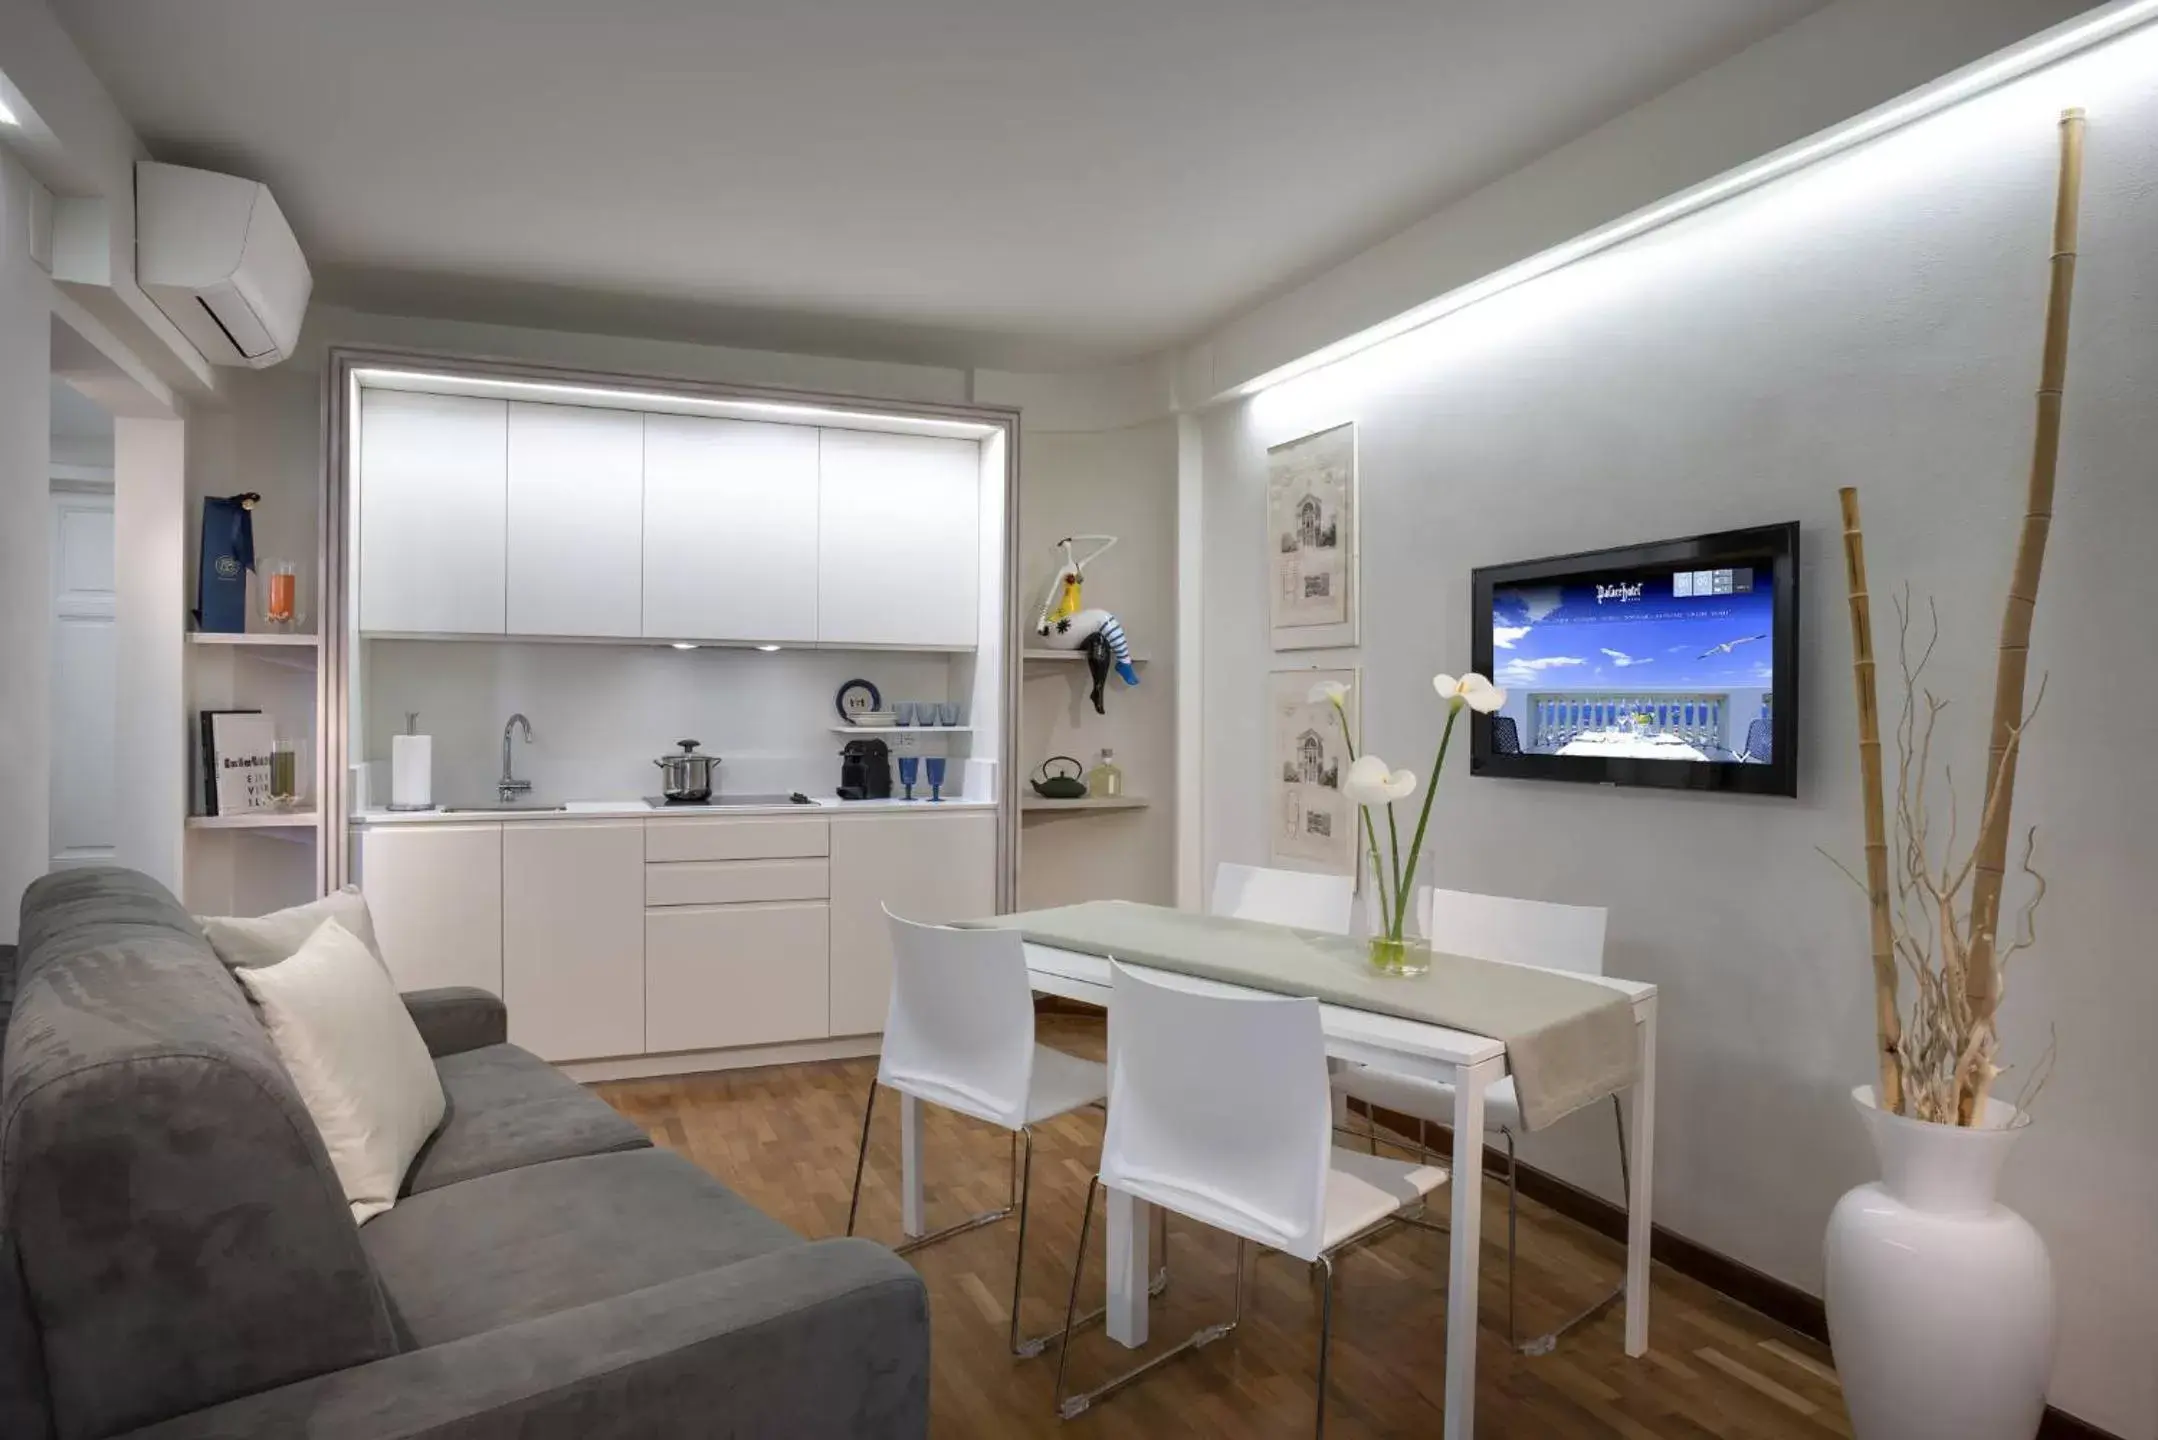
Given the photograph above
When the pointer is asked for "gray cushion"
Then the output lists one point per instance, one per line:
(814, 1342)
(526, 1243)
(181, 1236)
(509, 1108)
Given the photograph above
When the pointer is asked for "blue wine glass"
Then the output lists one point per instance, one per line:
(936, 778)
(909, 767)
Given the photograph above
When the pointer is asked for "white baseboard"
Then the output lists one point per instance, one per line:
(698, 1062)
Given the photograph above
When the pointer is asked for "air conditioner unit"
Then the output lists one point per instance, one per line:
(215, 254)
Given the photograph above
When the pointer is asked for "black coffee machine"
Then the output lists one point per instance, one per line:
(865, 770)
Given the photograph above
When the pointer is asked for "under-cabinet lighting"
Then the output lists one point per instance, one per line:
(7, 116)
(2033, 54)
(684, 645)
(767, 649)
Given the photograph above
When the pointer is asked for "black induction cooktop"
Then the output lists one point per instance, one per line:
(724, 802)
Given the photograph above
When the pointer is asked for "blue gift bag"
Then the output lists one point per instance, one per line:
(228, 553)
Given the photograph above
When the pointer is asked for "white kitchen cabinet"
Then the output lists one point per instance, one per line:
(730, 530)
(934, 868)
(433, 509)
(898, 540)
(576, 521)
(725, 975)
(573, 937)
(434, 893)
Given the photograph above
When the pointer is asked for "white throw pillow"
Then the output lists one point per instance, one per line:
(244, 942)
(356, 1058)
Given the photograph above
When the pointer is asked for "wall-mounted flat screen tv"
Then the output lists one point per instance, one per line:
(1672, 664)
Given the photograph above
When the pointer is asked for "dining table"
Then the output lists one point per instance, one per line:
(1470, 1063)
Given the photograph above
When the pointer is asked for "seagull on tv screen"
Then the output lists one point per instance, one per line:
(1728, 646)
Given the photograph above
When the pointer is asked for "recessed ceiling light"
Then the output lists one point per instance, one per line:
(767, 649)
(684, 645)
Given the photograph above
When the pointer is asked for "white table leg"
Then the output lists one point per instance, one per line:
(910, 1165)
(1470, 1082)
(1642, 1125)
(1130, 1268)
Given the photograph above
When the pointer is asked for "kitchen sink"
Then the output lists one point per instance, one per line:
(502, 809)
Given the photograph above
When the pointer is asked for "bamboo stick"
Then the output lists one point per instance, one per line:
(1887, 1018)
(1983, 981)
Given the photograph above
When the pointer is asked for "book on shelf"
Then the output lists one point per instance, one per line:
(235, 761)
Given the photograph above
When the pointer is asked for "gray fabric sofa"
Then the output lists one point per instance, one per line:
(177, 1259)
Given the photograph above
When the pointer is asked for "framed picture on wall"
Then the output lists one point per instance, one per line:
(1312, 825)
(1311, 540)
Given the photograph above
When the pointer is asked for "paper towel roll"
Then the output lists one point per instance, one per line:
(412, 771)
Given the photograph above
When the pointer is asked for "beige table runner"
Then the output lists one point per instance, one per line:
(1568, 1041)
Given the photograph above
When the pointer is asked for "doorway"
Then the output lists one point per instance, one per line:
(85, 636)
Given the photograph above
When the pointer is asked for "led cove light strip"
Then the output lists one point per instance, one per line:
(630, 399)
(2034, 54)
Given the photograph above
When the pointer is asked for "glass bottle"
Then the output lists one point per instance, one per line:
(1105, 780)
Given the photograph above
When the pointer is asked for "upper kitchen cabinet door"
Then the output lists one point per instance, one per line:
(899, 540)
(730, 530)
(433, 509)
(576, 520)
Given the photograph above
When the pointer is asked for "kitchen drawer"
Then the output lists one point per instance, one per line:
(729, 882)
(670, 840)
(719, 976)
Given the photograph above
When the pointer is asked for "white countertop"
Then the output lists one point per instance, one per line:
(825, 805)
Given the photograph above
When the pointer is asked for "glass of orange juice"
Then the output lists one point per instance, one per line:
(280, 595)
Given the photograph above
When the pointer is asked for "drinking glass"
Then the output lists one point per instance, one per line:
(903, 711)
(280, 590)
(949, 712)
(285, 772)
(936, 778)
(909, 767)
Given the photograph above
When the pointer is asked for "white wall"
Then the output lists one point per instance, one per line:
(1839, 61)
(1873, 320)
(25, 565)
(601, 714)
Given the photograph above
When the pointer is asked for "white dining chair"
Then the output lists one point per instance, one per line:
(1218, 1111)
(1284, 897)
(1518, 932)
(960, 1033)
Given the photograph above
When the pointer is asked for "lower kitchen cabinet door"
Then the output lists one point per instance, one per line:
(573, 937)
(933, 868)
(723, 975)
(434, 893)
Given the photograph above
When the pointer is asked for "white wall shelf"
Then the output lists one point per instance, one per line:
(255, 820)
(1052, 655)
(1044, 805)
(881, 730)
(219, 637)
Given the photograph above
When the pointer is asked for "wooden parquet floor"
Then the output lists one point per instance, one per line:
(785, 1139)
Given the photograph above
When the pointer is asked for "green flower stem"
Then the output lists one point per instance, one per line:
(1378, 872)
(1416, 846)
(1393, 834)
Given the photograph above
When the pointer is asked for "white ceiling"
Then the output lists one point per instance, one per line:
(1026, 183)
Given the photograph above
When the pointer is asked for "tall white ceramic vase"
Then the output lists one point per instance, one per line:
(1940, 1299)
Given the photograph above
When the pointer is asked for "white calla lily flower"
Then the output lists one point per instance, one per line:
(1328, 692)
(1472, 690)
(1370, 782)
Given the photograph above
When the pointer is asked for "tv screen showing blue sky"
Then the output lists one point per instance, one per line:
(1693, 629)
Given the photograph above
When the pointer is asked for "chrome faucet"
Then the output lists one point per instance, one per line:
(510, 787)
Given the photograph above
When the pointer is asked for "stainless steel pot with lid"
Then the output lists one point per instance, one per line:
(688, 775)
